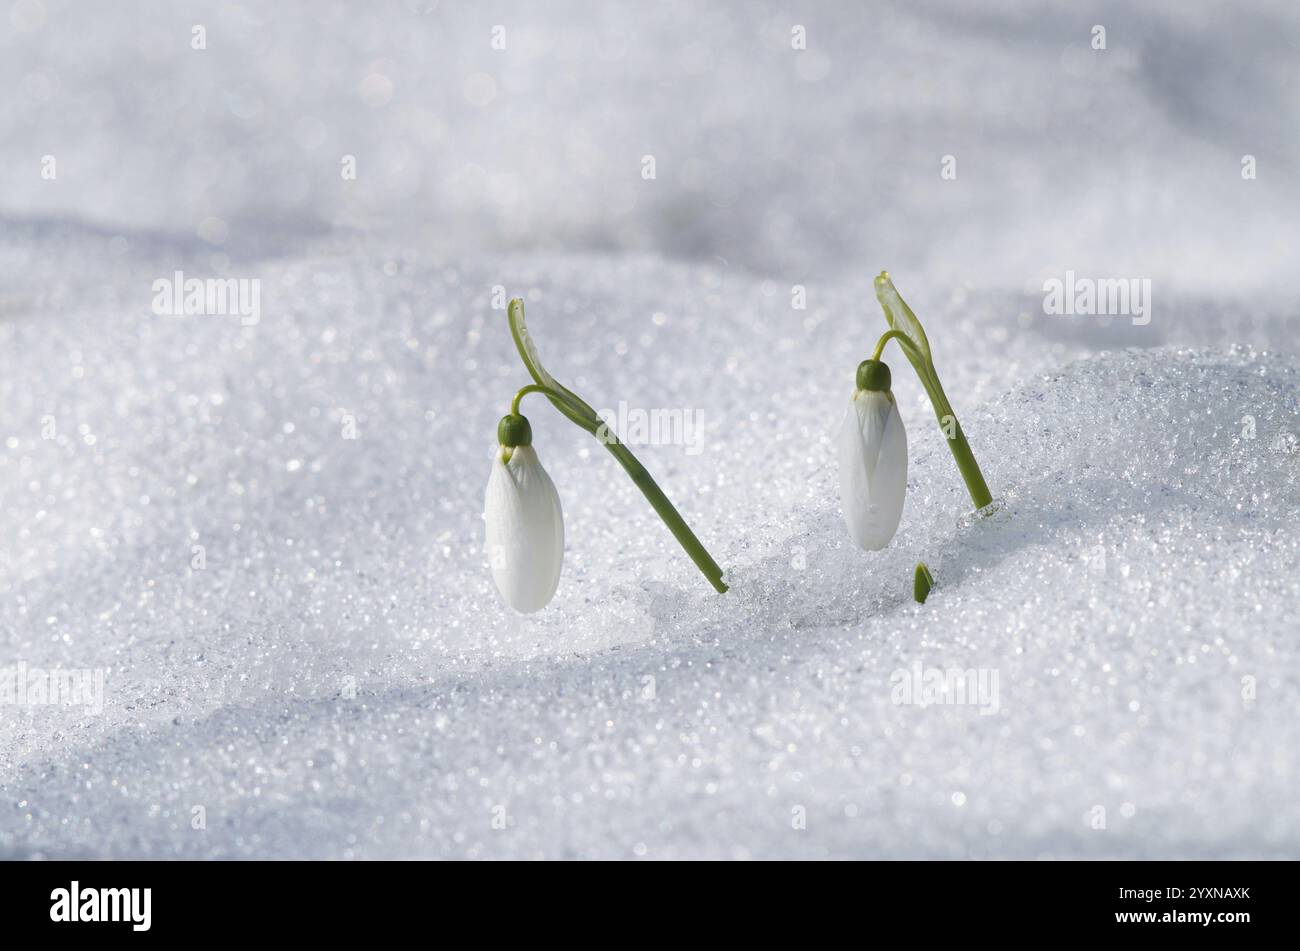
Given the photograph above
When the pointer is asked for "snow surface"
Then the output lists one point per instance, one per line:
(341, 680)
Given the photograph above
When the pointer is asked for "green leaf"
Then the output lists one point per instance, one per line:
(922, 582)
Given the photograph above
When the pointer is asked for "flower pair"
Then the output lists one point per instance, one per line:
(525, 524)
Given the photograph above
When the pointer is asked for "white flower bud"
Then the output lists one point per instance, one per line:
(873, 468)
(525, 529)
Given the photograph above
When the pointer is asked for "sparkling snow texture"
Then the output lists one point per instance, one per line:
(339, 678)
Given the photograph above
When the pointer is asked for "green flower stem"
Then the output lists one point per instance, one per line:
(665, 510)
(903, 341)
(907, 330)
(969, 468)
(582, 415)
(532, 388)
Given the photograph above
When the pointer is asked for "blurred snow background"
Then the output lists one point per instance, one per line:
(339, 679)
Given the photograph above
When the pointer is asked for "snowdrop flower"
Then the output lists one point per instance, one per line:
(525, 526)
(525, 530)
(873, 445)
(873, 459)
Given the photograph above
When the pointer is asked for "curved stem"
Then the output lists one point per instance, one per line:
(904, 341)
(532, 388)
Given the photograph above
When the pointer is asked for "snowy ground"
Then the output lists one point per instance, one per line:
(339, 678)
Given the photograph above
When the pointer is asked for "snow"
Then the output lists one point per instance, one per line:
(339, 678)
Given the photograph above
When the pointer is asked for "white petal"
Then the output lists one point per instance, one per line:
(525, 530)
(873, 468)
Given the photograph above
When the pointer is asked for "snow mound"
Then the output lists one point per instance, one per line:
(339, 679)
